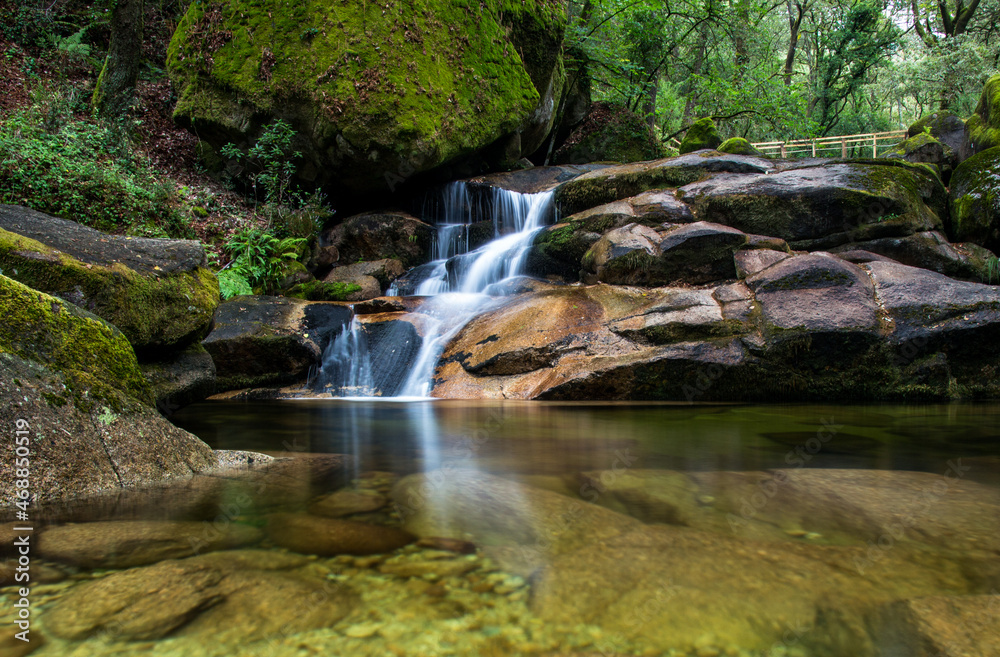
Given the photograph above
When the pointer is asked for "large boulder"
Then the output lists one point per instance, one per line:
(816, 207)
(380, 235)
(946, 127)
(259, 341)
(975, 200)
(72, 383)
(701, 135)
(559, 249)
(982, 129)
(158, 292)
(807, 326)
(610, 133)
(180, 379)
(695, 253)
(625, 180)
(930, 250)
(924, 149)
(376, 94)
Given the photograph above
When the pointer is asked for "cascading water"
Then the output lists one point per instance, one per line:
(459, 283)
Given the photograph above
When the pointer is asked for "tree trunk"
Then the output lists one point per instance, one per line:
(116, 85)
(794, 23)
(699, 61)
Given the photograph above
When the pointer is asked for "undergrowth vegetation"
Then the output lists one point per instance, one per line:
(57, 159)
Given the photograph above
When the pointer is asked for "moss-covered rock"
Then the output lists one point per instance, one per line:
(158, 292)
(71, 382)
(376, 93)
(944, 126)
(701, 135)
(975, 200)
(983, 128)
(821, 207)
(321, 291)
(625, 180)
(610, 133)
(739, 146)
(924, 149)
(94, 357)
(379, 235)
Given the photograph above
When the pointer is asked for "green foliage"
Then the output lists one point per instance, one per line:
(82, 169)
(992, 269)
(272, 158)
(258, 259)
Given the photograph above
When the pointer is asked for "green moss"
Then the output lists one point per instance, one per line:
(702, 134)
(96, 360)
(610, 133)
(414, 78)
(975, 200)
(983, 127)
(739, 146)
(150, 310)
(320, 291)
(911, 145)
(936, 124)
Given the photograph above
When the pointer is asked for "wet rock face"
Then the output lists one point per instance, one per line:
(270, 340)
(158, 292)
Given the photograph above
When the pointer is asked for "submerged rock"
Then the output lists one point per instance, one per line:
(158, 292)
(327, 536)
(943, 626)
(196, 597)
(346, 502)
(124, 544)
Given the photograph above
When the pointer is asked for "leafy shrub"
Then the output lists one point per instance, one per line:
(83, 169)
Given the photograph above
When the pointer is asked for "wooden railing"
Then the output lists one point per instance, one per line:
(842, 146)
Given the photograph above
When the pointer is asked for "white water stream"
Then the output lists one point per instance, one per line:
(460, 284)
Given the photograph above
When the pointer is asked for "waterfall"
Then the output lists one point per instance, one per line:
(459, 283)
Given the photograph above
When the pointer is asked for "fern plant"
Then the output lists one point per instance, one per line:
(258, 261)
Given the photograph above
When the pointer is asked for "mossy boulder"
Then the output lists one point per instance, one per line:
(944, 126)
(739, 146)
(265, 341)
(380, 235)
(94, 357)
(820, 207)
(610, 133)
(158, 292)
(701, 135)
(73, 383)
(626, 180)
(376, 93)
(982, 129)
(924, 149)
(975, 200)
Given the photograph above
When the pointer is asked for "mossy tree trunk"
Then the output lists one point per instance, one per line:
(116, 84)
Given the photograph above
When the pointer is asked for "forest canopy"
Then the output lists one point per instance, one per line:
(785, 69)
